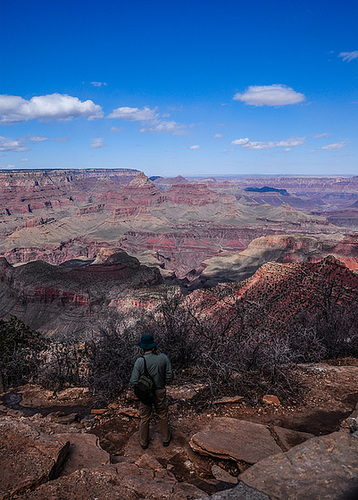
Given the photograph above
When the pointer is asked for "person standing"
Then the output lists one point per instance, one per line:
(161, 371)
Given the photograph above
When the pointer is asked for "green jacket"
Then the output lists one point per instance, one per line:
(159, 368)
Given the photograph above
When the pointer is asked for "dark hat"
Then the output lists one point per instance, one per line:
(147, 341)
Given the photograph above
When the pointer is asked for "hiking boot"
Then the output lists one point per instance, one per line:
(167, 443)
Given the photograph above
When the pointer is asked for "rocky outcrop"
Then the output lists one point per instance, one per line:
(53, 298)
(195, 194)
(281, 292)
(323, 467)
(135, 198)
(167, 182)
(28, 456)
(84, 452)
(243, 441)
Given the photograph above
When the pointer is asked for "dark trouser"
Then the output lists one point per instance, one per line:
(161, 410)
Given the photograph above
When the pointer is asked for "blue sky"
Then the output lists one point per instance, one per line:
(199, 87)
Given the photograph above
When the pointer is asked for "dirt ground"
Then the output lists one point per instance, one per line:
(330, 394)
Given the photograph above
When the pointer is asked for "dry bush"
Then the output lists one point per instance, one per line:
(19, 353)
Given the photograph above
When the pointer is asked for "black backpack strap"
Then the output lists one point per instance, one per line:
(146, 372)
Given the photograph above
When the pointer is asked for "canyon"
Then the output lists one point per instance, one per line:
(76, 244)
(256, 280)
(173, 224)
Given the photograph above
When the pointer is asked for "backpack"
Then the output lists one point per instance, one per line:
(145, 387)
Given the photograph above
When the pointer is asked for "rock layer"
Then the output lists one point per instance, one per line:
(54, 298)
(57, 215)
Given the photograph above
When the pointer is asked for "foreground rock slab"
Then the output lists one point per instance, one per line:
(238, 440)
(124, 481)
(28, 457)
(84, 452)
(322, 468)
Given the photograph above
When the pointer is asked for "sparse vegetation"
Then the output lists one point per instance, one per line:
(19, 353)
(232, 346)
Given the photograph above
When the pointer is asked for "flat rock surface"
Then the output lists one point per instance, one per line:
(84, 452)
(240, 492)
(36, 396)
(124, 481)
(28, 457)
(322, 468)
(235, 439)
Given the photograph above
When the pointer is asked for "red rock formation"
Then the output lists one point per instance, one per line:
(195, 194)
(278, 297)
(85, 210)
(60, 299)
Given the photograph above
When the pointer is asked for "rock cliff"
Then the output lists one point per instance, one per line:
(57, 215)
(69, 300)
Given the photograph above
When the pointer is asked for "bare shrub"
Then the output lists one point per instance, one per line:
(112, 353)
(19, 353)
(64, 363)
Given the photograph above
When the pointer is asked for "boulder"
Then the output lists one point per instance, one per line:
(323, 467)
(238, 440)
(28, 457)
(240, 492)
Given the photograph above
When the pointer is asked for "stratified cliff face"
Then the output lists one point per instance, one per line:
(196, 194)
(277, 298)
(70, 300)
(282, 297)
(57, 215)
(229, 266)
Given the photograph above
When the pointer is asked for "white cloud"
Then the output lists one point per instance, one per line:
(151, 119)
(12, 145)
(61, 139)
(196, 146)
(165, 126)
(269, 95)
(287, 143)
(240, 142)
(134, 114)
(218, 136)
(47, 107)
(318, 136)
(337, 145)
(99, 84)
(116, 129)
(25, 159)
(37, 138)
(97, 142)
(349, 56)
